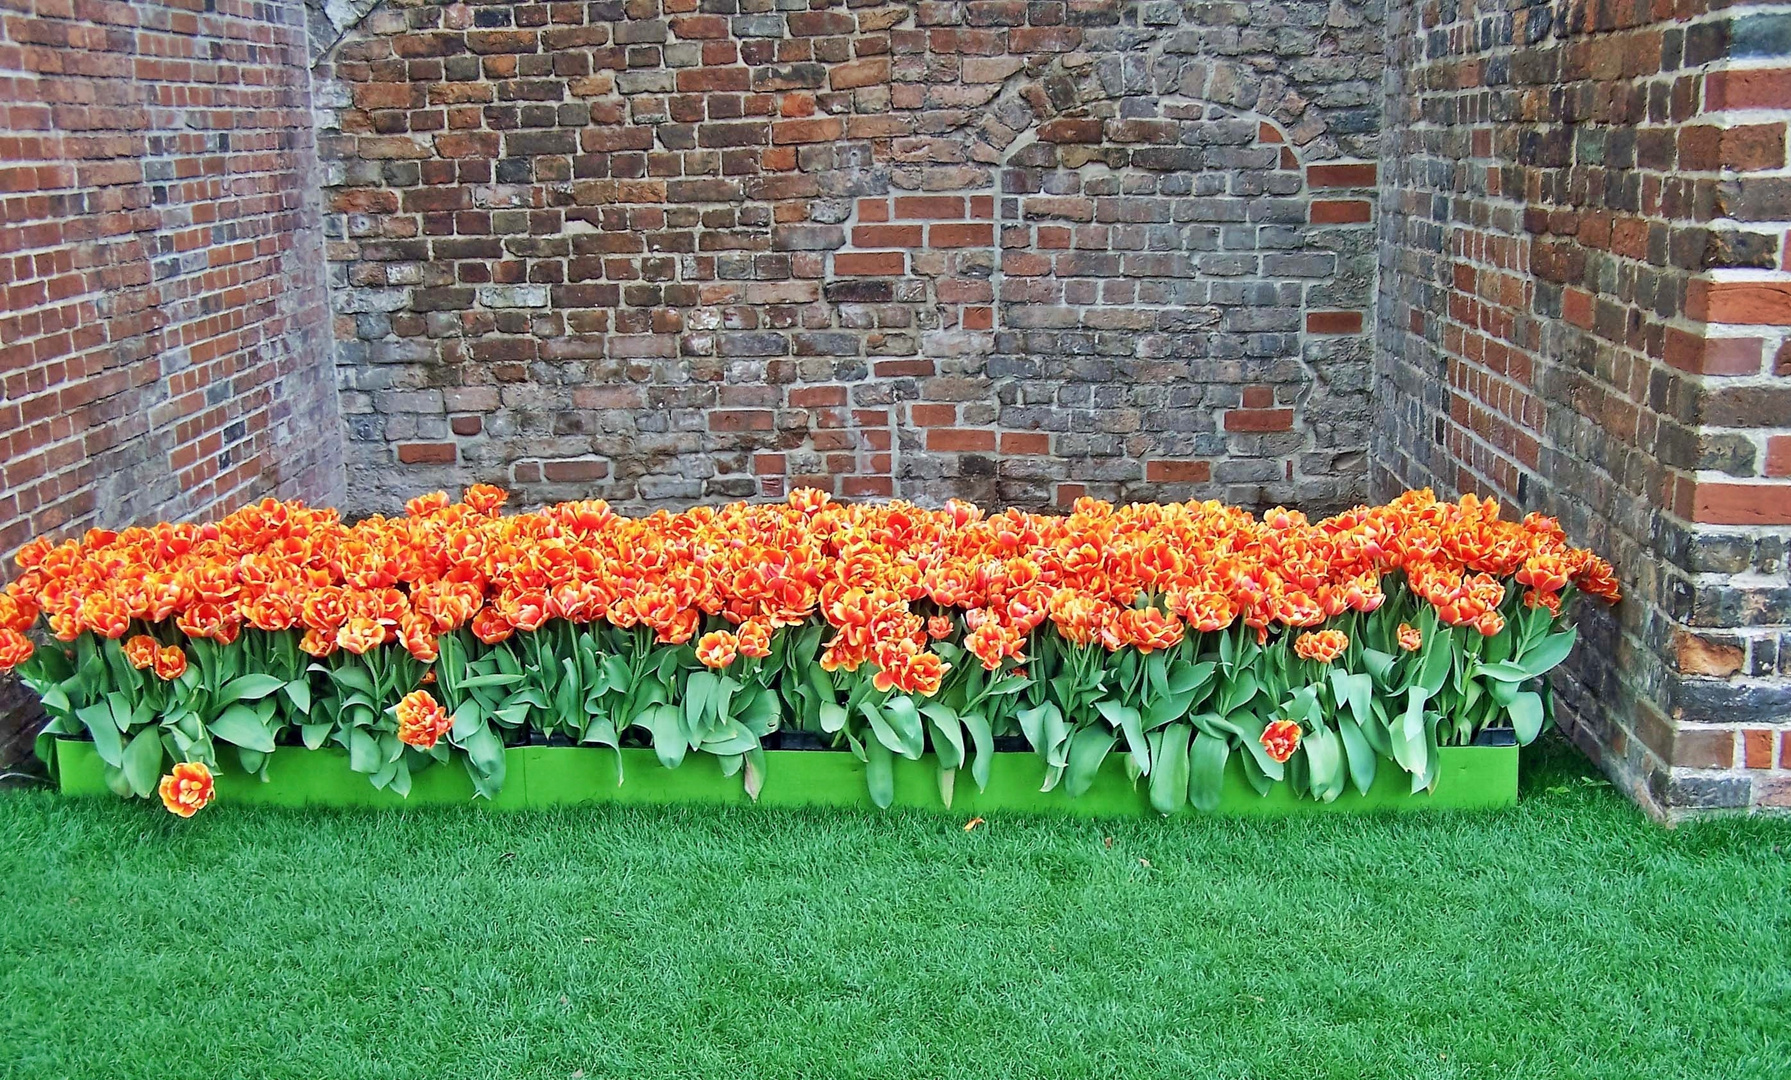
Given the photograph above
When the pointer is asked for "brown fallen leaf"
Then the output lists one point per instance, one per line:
(973, 823)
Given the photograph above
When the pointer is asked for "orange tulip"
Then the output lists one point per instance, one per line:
(755, 639)
(1323, 646)
(141, 651)
(717, 649)
(170, 663)
(1281, 738)
(188, 789)
(421, 720)
(15, 648)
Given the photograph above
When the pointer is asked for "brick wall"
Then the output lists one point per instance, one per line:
(1583, 302)
(673, 250)
(163, 326)
(666, 251)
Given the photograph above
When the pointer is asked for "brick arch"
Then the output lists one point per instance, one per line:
(1150, 284)
(1051, 90)
(614, 249)
(1164, 315)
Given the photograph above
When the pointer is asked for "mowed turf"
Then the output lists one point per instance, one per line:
(1567, 938)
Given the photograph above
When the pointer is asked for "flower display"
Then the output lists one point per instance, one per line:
(281, 618)
(188, 789)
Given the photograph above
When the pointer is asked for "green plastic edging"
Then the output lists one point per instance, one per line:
(1469, 778)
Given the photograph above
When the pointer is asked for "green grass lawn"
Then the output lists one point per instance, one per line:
(1567, 938)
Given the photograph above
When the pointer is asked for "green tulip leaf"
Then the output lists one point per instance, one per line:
(143, 762)
(984, 741)
(240, 725)
(1358, 753)
(1088, 749)
(1525, 711)
(249, 688)
(1169, 768)
(879, 772)
(1206, 770)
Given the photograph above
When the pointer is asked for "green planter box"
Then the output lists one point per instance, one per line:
(1471, 778)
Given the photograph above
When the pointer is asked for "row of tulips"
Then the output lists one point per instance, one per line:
(1177, 635)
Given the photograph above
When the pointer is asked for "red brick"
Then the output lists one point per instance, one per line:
(1713, 356)
(817, 397)
(1766, 88)
(1576, 308)
(467, 425)
(574, 470)
(1025, 442)
(979, 318)
(1697, 655)
(957, 236)
(859, 73)
(1259, 397)
(502, 41)
(870, 263)
(768, 464)
(961, 440)
(887, 236)
(740, 420)
(426, 453)
(909, 207)
(1340, 211)
(1353, 175)
(867, 486)
(1334, 322)
(1778, 455)
(1259, 420)
(1066, 129)
(1757, 748)
(821, 129)
(896, 369)
(1741, 504)
(933, 415)
(712, 79)
(1178, 472)
(699, 27)
(1754, 147)
(1704, 749)
(1700, 147)
(1751, 303)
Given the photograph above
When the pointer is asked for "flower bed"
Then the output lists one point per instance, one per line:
(1170, 646)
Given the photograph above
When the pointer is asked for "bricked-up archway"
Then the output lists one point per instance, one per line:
(657, 253)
